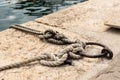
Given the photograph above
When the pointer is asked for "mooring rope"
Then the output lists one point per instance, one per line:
(75, 49)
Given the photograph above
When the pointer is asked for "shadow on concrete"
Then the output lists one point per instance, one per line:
(114, 30)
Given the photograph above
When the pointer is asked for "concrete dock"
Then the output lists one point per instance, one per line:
(84, 21)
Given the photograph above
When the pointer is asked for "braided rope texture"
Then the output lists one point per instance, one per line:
(49, 35)
(74, 50)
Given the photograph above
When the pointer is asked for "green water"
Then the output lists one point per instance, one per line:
(11, 13)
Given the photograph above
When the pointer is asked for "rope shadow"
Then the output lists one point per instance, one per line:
(114, 30)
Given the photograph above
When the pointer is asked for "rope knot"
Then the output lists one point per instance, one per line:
(65, 56)
(74, 50)
(54, 34)
(53, 59)
(55, 37)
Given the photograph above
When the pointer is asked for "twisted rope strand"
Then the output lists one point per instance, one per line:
(75, 50)
(15, 65)
(59, 39)
(49, 35)
(55, 62)
(49, 59)
(25, 29)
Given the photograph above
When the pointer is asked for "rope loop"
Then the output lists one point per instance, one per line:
(54, 34)
(55, 37)
(53, 60)
(105, 52)
(75, 49)
(65, 56)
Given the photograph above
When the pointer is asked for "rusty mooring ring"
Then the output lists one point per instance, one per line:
(105, 52)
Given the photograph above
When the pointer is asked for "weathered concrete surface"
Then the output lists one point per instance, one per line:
(110, 73)
(114, 21)
(17, 46)
(90, 15)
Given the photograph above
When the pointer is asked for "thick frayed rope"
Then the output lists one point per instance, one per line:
(75, 49)
(72, 52)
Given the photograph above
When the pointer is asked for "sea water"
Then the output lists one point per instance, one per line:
(16, 12)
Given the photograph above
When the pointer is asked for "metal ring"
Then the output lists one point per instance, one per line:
(105, 52)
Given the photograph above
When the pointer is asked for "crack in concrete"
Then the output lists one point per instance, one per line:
(46, 24)
(104, 73)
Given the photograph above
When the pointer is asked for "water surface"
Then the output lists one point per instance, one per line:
(12, 12)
